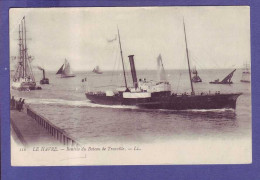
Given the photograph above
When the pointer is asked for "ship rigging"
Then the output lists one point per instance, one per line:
(159, 95)
(23, 79)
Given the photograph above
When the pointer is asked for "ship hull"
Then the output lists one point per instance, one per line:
(25, 86)
(44, 81)
(221, 82)
(97, 72)
(196, 81)
(214, 101)
(245, 81)
(68, 76)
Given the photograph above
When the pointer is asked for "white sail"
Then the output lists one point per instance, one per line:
(160, 70)
(97, 70)
(65, 70)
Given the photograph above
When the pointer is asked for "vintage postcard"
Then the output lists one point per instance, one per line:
(130, 86)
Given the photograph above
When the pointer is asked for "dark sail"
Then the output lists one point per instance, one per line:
(60, 70)
(65, 70)
(227, 79)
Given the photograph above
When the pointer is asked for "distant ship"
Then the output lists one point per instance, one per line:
(65, 70)
(226, 80)
(196, 77)
(246, 75)
(44, 80)
(23, 79)
(97, 70)
(148, 95)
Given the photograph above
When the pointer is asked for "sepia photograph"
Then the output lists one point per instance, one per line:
(130, 86)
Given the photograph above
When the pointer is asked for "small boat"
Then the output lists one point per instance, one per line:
(148, 95)
(65, 70)
(196, 77)
(97, 70)
(23, 79)
(226, 80)
(246, 75)
(44, 80)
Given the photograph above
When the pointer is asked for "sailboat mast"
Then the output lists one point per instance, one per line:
(187, 54)
(121, 52)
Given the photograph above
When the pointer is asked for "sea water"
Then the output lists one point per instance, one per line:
(63, 102)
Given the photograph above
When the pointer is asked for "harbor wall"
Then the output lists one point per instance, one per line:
(56, 132)
(53, 130)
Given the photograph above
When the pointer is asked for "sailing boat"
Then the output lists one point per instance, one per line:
(226, 80)
(23, 79)
(196, 77)
(246, 74)
(160, 95)
(97, 70)
(65, 70)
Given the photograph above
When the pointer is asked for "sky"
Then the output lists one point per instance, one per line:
(217, 37)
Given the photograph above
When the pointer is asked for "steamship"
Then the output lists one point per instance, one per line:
(158, 95)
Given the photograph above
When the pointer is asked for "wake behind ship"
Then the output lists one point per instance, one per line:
(158, 95)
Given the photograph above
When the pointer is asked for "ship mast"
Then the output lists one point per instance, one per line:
(187, 54)
(20, 55)
(121, 52)
(22, 49)
(25, 49)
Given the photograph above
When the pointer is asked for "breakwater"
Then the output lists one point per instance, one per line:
(54, 131)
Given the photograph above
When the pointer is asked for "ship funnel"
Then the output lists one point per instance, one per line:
(133, 71)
